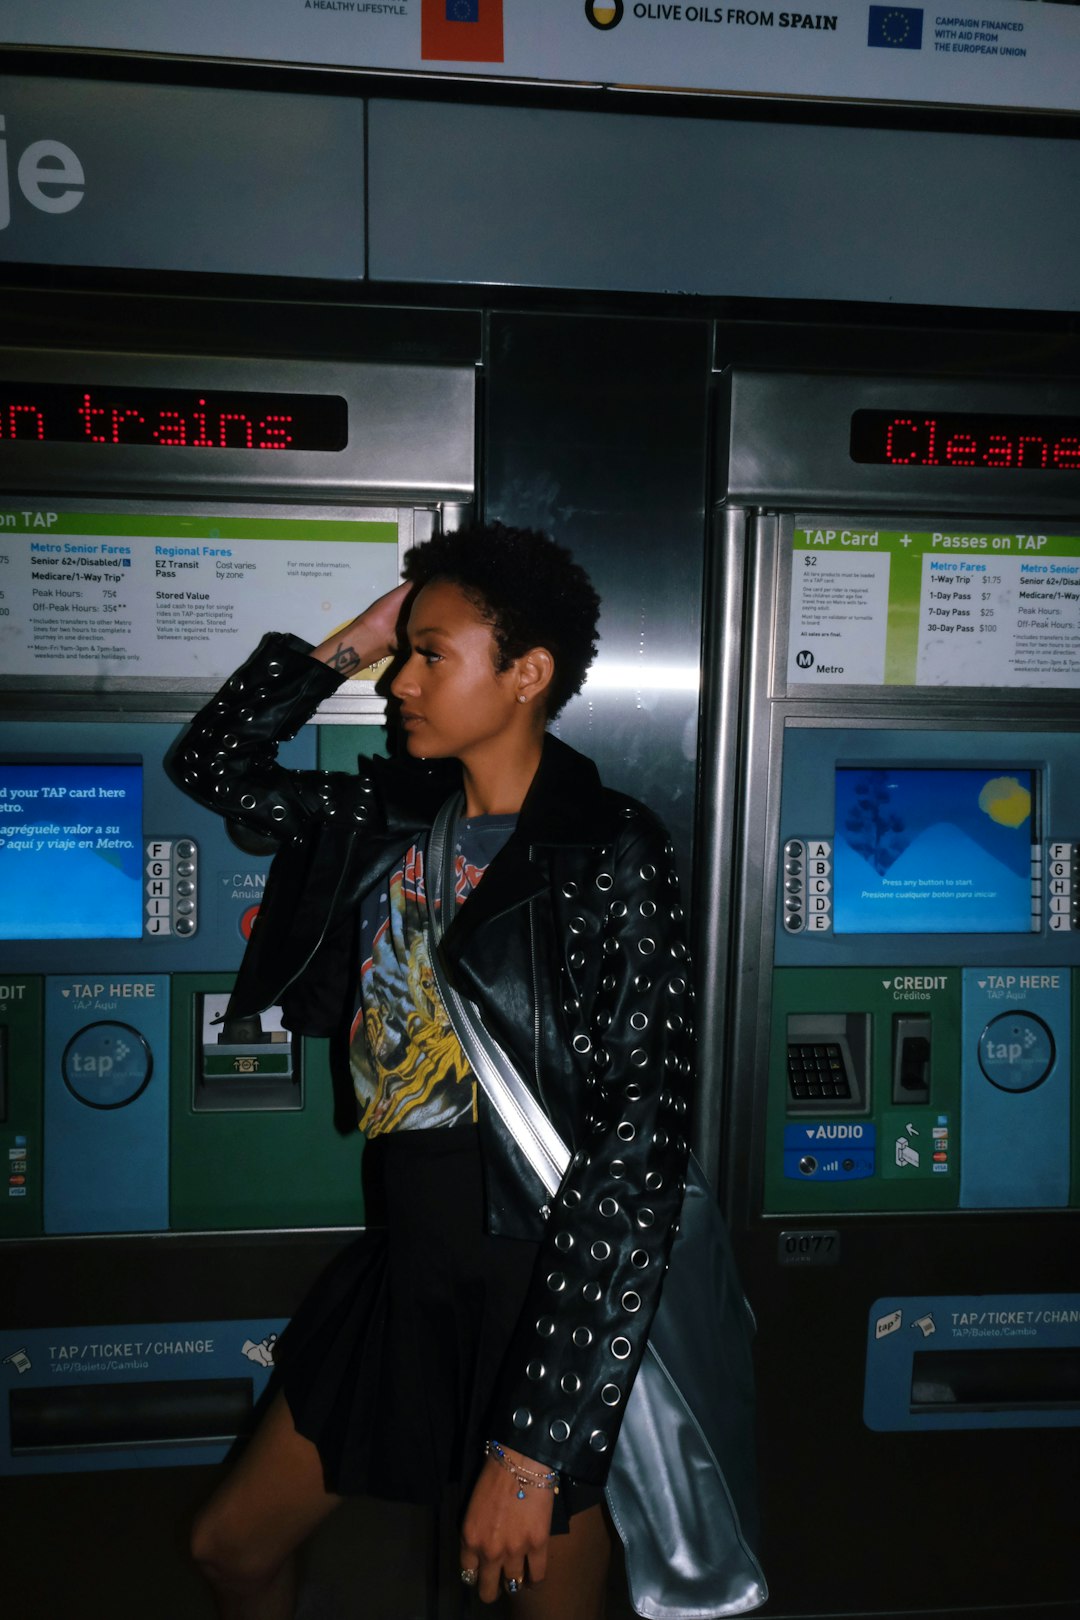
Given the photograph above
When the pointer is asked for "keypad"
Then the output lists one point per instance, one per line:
(817, 1070)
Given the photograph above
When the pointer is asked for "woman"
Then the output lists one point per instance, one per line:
(490, 1340)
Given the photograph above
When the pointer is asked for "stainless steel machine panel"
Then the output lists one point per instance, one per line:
(785, 439)
(410, 429)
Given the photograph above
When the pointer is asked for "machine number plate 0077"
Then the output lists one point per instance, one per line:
(808, 1247)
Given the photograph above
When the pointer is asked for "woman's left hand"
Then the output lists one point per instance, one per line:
(505, 1537)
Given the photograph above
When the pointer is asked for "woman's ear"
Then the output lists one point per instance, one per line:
(535, 671)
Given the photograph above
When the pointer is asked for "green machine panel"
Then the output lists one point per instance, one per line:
(21, 1126)
(253, 1143)
(864, 1090)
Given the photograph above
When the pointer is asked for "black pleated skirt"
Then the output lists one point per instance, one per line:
(390, 1363)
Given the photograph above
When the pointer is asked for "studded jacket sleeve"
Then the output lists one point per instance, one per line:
(227, 757)
(583, 1330)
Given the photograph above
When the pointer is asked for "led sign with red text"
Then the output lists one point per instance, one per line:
(175, 418)
(965, 439)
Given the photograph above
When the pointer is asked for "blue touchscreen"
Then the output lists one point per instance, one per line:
(926, 851)
(70, 850)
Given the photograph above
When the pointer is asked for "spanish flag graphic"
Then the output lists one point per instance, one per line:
(461, 31)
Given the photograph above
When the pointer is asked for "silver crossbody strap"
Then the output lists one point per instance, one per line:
(504, 1087)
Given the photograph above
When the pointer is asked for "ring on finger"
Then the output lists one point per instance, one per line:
(469, 1577)
(513, 1585)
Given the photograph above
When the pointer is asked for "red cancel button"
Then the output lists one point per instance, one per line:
(247, 921)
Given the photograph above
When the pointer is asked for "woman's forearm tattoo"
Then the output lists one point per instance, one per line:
(344, 659)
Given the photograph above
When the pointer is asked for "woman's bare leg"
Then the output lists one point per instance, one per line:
(245, 1538)
(577, 1570)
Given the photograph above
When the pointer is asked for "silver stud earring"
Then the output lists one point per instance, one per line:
(522, 698)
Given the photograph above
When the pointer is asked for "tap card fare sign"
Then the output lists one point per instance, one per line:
(139, 595)
(966, 605)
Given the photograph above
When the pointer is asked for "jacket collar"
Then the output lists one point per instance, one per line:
(566, 802)
(566, 805)
(410, 791)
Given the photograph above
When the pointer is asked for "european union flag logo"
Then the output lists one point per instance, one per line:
(898, 28)
(463, 10)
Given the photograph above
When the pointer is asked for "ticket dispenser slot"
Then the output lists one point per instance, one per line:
(247, 1064)
(1035, 1380)
(253, 1148)
(90, 1398)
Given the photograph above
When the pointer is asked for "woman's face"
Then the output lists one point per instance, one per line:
(454, 702)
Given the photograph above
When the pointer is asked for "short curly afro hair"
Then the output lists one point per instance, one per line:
(530, 590)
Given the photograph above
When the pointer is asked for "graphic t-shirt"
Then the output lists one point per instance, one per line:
(408, 1069)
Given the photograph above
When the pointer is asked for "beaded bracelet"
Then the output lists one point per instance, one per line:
(524, 1476)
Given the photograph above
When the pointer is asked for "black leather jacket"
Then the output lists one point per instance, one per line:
(572, 949)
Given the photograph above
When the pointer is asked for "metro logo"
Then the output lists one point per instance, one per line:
(49, 176)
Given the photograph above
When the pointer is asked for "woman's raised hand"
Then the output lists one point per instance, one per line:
(504, 1536)
(369, 637)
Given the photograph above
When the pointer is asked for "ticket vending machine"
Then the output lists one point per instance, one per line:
(171, 1172)
(895, 797)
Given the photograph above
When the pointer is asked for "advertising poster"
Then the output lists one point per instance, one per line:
(992, 53)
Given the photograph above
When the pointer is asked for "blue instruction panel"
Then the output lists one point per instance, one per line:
(973, 1361)
(133, 1395)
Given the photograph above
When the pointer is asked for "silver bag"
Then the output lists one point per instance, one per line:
(681, 1484)
(681, 1488)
